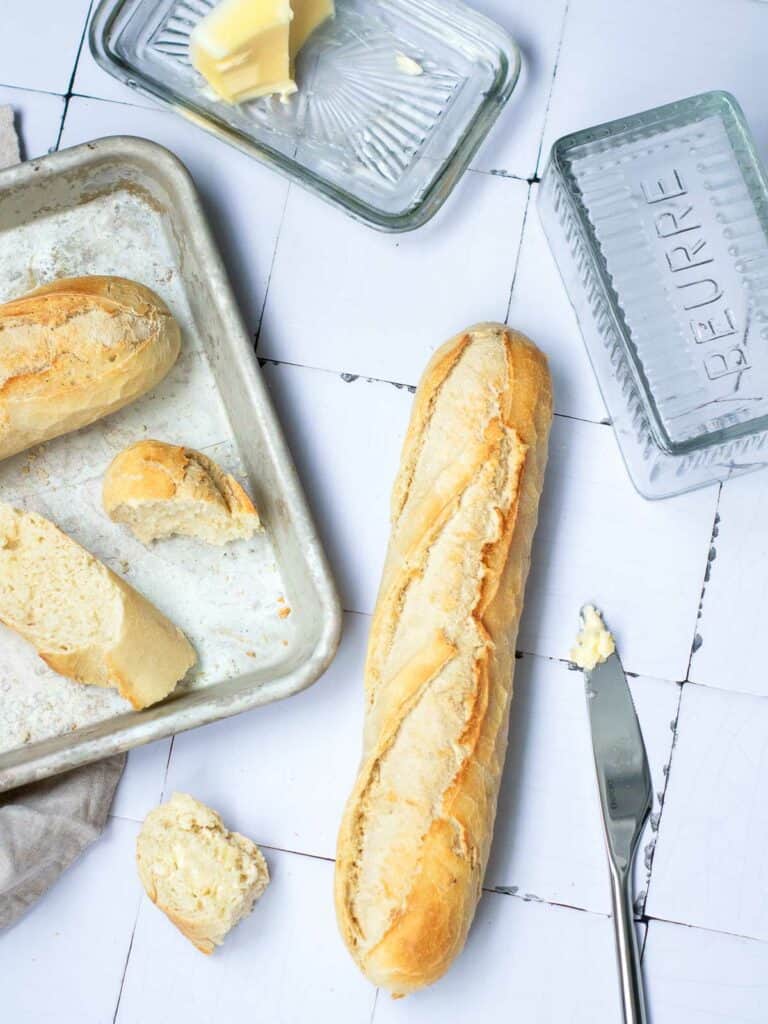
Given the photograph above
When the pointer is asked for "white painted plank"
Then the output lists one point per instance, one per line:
(39, 40)
(699, 977)
(549, 839)
(283, 772)
(64, 960)
(523, 962)
(620, 58)
(732, 624)
(282, 962)
(540, 308)
(343, 297)
(710, 868)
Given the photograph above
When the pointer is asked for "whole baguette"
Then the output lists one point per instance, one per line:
(417, 829)
(74, 351)
(85, 622)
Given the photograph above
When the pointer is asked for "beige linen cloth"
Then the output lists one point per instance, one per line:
(45, 826)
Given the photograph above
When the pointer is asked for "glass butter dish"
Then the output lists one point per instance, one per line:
(659, 226)
(394, 96)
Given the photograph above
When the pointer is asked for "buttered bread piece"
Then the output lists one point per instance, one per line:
(202, 876)
(246, 48)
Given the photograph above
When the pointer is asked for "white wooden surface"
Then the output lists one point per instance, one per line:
(685, 591)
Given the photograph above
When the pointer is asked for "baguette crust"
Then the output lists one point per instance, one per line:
(416, 833)
(76, 350)
(85, 622)
(152, 474)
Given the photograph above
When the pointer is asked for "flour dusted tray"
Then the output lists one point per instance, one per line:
(263, 614)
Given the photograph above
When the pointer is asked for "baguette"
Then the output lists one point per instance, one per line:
(85, 622)
(74, 351)
(416, 832)
(159, 490)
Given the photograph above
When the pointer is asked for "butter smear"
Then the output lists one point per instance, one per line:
(594, 644)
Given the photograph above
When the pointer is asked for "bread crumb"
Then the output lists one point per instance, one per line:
(284, 612)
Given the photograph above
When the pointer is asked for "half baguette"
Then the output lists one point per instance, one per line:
(160, 489)
(84, 621)
(74, 351)
(416, 833)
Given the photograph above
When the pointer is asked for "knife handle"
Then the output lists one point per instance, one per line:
(630, 971)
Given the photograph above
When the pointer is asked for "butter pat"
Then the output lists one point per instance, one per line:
(307, 16)
(246, 48)
(594, 644)
(242, 49)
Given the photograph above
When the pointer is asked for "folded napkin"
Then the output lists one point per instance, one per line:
(45, 826)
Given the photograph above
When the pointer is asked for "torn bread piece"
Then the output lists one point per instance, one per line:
(160, 490)
(84, 621)
(202, 876)
(594, 644)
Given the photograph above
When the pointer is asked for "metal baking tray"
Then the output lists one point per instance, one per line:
(263, 615)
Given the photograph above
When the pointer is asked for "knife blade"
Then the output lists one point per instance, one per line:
(626, 795)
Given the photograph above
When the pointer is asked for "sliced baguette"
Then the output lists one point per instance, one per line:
(202, 876)
(84, 621)
(416, 833)
(159, 490)
(74, 351)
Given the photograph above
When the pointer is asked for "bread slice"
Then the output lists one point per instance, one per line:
(159, 490)
(85, 622)
(76, 350)
(202, 876)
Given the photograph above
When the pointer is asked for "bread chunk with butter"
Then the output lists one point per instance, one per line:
(160, 489)
(85, 622)
(416, 832)
(202, 876)
(76, 350)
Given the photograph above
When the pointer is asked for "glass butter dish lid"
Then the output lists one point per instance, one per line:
(659, 226)
(394, 96)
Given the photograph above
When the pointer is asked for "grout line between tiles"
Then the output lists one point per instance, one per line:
(697, 639)
(125, 965)
(70, 86)
(555, 69)
(351, 378)
(710, 931)
(26, 88)
(519, 252)
(257, 334)
(167, 767)
(662, 800)
(375, 1004)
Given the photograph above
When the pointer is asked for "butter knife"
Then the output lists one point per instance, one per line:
(624, 782)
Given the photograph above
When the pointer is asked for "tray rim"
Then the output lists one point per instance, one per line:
(410, 218)
(17, 767)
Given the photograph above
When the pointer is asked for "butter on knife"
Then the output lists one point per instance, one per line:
(246, 48)
(594, 644)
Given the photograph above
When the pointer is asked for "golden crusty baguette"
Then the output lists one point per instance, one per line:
(84, 621)
(74, 351)
(416, 833)
(159, 489)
